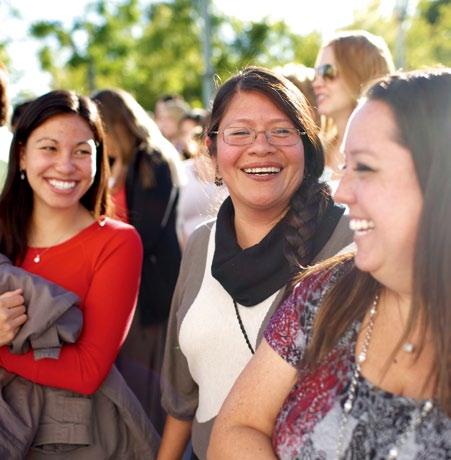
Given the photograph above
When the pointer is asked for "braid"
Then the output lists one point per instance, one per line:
(307, 206)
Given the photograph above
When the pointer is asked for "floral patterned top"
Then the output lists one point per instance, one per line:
(309, 421)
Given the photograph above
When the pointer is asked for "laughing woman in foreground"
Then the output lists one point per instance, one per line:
(356, 363)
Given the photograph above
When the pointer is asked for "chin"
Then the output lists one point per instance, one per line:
(364, 264)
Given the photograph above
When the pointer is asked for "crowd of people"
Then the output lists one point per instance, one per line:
(264, 279)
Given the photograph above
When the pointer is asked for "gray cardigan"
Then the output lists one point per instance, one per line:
(43, 333)
(179, 390)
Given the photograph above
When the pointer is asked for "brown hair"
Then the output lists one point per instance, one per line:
(360, 58)
(309, 200)
(16, 200)
(421, 104)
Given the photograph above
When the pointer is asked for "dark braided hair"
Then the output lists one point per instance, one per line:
(306, 208)
(311, 197)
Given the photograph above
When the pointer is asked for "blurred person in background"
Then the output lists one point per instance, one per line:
(200, 198)
(5, 133)
(169, 110)
(266, 150)
(345, 65)
(146, 178)
(191, 128)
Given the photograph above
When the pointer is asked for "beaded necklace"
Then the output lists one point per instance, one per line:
(426, 408)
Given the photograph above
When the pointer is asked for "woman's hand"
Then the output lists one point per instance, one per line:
(12, 315)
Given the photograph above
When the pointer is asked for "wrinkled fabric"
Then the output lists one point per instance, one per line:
(53, 313)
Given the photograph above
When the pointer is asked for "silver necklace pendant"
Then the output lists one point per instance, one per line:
(37, 259)
(393, 453)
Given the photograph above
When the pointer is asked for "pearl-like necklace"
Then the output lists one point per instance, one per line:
(361, 358)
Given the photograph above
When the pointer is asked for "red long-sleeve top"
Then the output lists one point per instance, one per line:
(102, 265)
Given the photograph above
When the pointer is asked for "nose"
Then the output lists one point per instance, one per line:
(317, 82)
(261, 145)
(345, 191)
(65, 162)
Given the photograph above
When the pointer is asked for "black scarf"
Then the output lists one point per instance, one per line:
(253, 274)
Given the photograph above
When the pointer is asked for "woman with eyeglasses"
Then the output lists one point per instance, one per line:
(346, 63)
(234, 270)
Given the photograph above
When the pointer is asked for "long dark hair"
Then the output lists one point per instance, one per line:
(16, 200)
(311, 197)
(421, 104)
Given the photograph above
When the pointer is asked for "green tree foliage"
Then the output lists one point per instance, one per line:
(158, 49)
(370, 19)
(429, 35)
(4, 58)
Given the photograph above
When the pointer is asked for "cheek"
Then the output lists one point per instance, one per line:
(344, 93)
(297, 160)
(34, 164)
(226, 157)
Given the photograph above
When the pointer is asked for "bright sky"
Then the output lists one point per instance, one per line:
(303, 16)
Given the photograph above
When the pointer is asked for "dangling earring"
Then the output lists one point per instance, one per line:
(22, 174)
(218, 181)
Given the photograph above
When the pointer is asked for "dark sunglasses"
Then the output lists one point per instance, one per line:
(326, 71)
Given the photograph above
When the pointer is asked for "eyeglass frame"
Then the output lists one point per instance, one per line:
(267, 133)
(326, 71)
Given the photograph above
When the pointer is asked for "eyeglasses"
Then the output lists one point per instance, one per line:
(326, 71)
(246, 136)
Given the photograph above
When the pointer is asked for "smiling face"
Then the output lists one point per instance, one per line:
(333, 97)
(260, 177)
(380, 187)
(59, 159)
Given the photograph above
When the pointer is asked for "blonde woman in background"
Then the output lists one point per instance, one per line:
(346, 63)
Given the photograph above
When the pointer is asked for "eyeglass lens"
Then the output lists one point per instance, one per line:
(327, 71)
(278, 136)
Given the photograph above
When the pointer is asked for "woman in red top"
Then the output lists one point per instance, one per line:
(52, 223)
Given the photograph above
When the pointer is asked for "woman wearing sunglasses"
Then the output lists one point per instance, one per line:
(234, 271)
(344, 66)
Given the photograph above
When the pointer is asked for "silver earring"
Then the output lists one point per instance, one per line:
(22, 174)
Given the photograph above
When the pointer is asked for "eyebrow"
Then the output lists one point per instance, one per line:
(275, 120)
(45, 138)
(359, 151)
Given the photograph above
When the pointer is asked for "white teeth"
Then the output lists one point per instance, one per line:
(361, 225)
(266, 170)
(62, 185)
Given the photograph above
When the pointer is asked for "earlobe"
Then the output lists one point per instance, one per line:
(208, 143)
